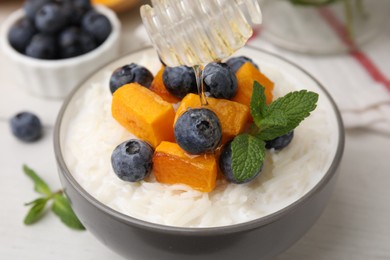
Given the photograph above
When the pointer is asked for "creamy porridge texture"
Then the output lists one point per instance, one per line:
(287, 175)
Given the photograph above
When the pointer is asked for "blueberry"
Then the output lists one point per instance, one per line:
(86, 4)
(97, 25)
(42, 47)
(20, 34)
(76, 9)
(180, 81)
(26, 126)
(132, 160)
(130, 74)
(51, 18)
(225, 164)
(235, 63)
(219, 80)
(82, 5)
(280, 142)
(74, 42)
(31, 7)
(87, 42)
(198, 131)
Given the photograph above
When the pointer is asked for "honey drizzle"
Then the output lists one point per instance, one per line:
(200, 85)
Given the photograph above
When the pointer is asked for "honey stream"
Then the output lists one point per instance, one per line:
(200, 85)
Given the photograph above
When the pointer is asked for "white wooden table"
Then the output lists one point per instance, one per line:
(355, 225)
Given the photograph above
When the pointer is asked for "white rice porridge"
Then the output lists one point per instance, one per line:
(287, 175)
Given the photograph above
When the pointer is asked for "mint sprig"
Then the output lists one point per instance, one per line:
(60, 204)
(285, 113)
(270, 121)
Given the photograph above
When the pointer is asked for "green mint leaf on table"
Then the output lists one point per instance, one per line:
(36, 211)
(60, 204)
(33, 202)
(248, 153)
(40, 186)
(61, 207)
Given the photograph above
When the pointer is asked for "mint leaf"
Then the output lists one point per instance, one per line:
(39, 185)
(61, 207)
(36, 211)
(33, 202)
(278, 119)
(248, 153)
(294, 107)
(258, 103)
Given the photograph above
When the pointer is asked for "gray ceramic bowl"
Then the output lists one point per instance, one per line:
(262, 238)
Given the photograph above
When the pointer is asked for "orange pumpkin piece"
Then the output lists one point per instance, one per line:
(246, 76)
(232, 115)
(143, 113)
(158, 87)
(171, 165)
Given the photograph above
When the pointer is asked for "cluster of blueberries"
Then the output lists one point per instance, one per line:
(219, 78)
(197, 130)
(58, 29)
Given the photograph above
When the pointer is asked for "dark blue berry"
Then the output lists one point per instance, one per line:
(85, 4)
(75, 11)
(180, 81)
(26, 126)
(97, 25)
(87, 42)
(31, 7)
(20, 34)
(42, 47)
(198, 131)
(51, 18)
(132, 73)
(219, 80)
(74, 42)
(235, 63)
(280, 142)
(132, 160)
(225, 164)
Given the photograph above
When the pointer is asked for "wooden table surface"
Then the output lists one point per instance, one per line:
(355, 224)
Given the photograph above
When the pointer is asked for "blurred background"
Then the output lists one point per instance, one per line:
(344, 44)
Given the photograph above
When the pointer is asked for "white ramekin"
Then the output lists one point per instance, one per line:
(56, 78)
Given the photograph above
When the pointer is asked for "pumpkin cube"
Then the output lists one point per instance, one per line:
(143, 113)
(232, 115)
(246, 76)
(171, 165)
(159, 88)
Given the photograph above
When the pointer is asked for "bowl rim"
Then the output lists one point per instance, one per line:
(14, 54)
(200, 231)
